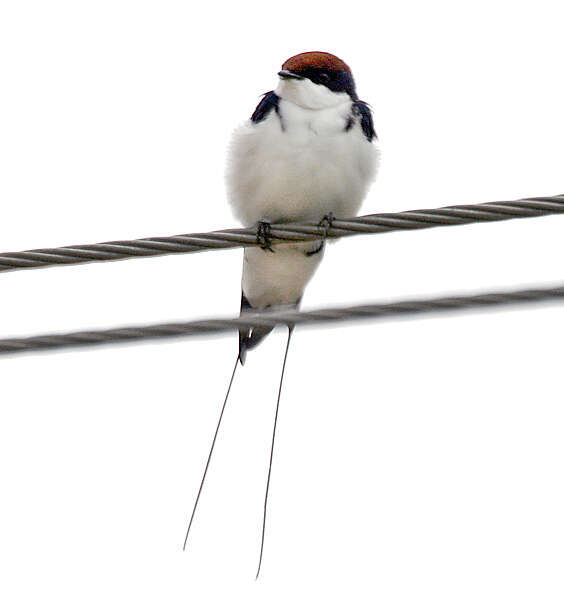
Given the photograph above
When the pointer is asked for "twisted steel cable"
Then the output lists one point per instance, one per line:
(283, 233)
(256, 319)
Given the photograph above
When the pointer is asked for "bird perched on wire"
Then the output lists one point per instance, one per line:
(308, 153)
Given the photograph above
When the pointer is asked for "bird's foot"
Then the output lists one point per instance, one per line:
(264, 236)
(326, 223)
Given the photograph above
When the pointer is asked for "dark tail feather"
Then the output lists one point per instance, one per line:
(290, 330)
(249, 337)
(210, 454)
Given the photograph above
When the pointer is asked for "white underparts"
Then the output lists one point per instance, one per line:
(297, 164)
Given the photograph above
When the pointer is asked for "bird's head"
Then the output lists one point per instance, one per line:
(316, 80)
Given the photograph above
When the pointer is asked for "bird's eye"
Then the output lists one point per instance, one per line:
(323, 78)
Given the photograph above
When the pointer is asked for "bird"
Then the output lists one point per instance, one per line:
(308, 152)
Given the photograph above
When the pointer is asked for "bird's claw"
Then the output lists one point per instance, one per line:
(264, 235)
(326, 223)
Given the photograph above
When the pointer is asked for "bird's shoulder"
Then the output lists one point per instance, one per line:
(269, 102)
(362, 112)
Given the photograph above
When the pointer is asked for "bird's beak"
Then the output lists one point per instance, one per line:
(285, 74)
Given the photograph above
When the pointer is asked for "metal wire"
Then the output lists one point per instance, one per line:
(284, 233)
(330, 315)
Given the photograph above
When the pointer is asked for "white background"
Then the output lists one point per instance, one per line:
(416, 458)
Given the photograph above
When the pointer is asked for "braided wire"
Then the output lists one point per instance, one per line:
(256, 319)
(284, 233)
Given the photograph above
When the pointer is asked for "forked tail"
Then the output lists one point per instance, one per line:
(241, 359)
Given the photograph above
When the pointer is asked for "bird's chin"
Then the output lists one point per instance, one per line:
(307, 94)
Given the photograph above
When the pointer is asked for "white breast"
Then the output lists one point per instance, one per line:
(299, 164)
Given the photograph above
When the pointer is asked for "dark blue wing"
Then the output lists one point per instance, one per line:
(362, 110)
(269, 102)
